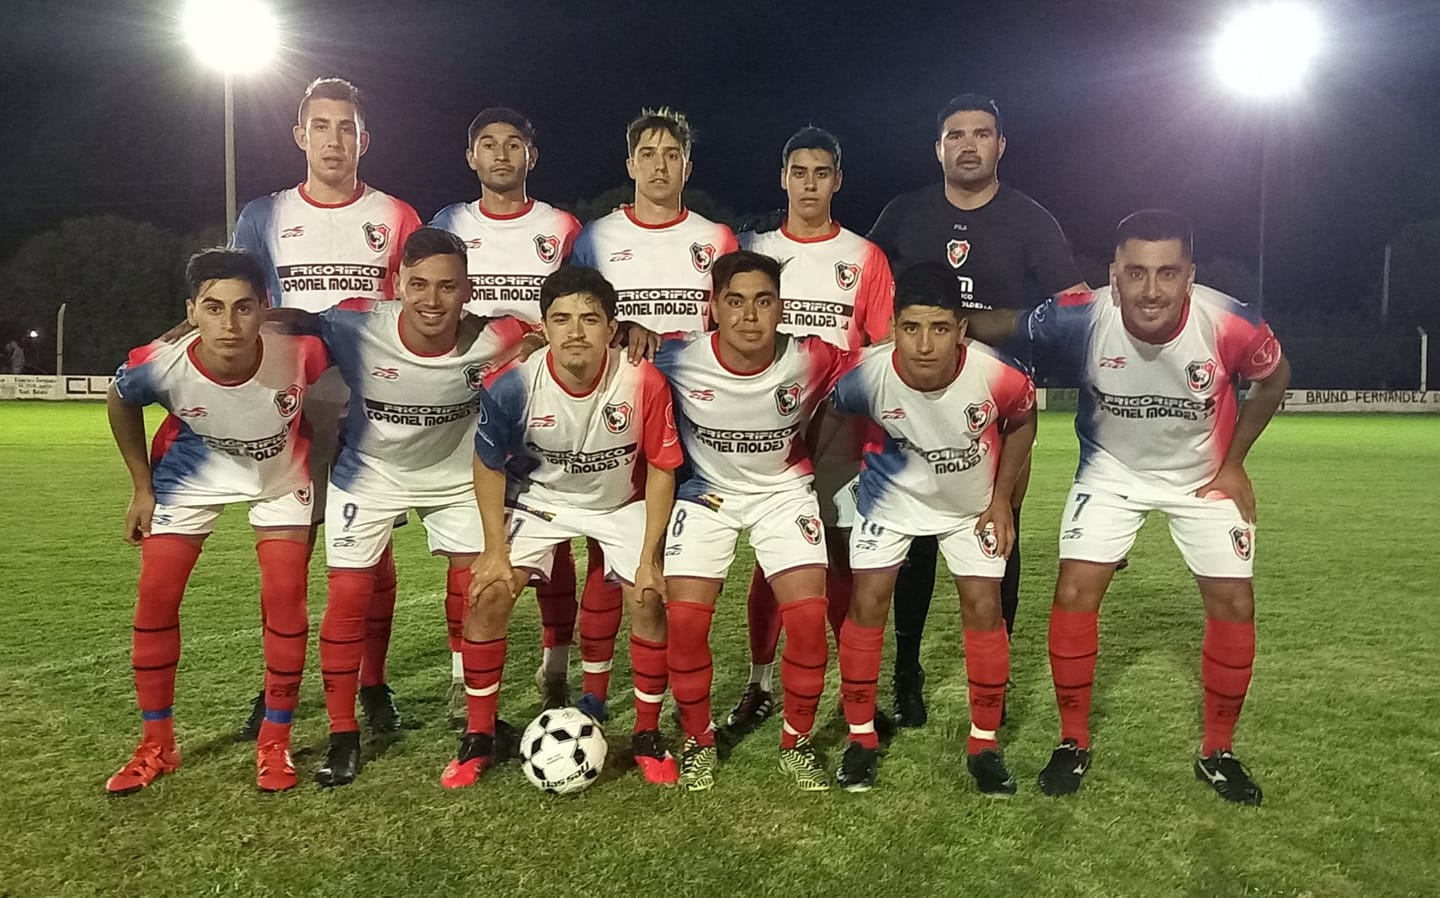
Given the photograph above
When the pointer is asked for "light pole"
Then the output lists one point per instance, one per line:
(1263, 53)
(235, 37)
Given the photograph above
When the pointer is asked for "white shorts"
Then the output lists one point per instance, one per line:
(537, 530)
(357, 529)
(874, 547)
(837, 462)
(785, 532)
(290, 511)
(847, 504)
(1100, 526)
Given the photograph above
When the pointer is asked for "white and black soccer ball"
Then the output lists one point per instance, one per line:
(563, 751)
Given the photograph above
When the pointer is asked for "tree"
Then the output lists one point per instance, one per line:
(117, 279)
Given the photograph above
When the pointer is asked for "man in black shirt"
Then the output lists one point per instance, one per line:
(1007, 252)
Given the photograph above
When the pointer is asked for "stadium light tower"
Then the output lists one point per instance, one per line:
(235, 37)
(1263, 53)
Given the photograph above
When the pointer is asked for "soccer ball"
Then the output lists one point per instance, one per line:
(563, 751)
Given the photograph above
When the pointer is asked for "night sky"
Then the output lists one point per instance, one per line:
(1110, 106)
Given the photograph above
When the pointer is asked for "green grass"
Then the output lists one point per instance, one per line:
(1341, 728)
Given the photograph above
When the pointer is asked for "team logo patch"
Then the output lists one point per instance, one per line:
(378, 236)
(1243, 541)
(1267, 355)
(542, 421)
(385, 373)
(475, 376)
(956, 252)
(809, 528)
(1117, 361)
(702, 256)
(989, 546)
(297, 231)
(703, 395)
(979, 414)
(617, 417)
(195, 411)
(1200, 375)
(547, 247)
(288, 400)
(847, 275)
(787, 398)
(304, 495)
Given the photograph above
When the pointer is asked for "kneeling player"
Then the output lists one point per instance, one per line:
(954, 424)
(1159, 358)
(746, 395)
(235, 391)
(578, 430)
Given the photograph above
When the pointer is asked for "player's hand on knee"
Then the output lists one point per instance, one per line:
(649, 580)
(999, 519)
(1231, 482)
(138, 517)
(490, 569)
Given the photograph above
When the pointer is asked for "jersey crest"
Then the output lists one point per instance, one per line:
(978, 415)
(1200, 375)
(956, 252)
(617, 417)
(475, 375)
(703, 256)
(547, 247)
(377, 236)
(287, 401)
(989, 546)
(787, 398)
(847, 275)
(809, 528)
(1240, 538)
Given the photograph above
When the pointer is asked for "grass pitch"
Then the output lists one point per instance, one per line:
(1341, 728)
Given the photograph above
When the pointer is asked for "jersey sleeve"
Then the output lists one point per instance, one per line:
(850, 396)
(409, 223)
(584, 250)
(135, 380)
(661, 441)
(875, 305)
(727, 243)
(1048, 256)
(1248, 348)
(569, 235)
(1014, 393)
(250, 229)
(1052, 336)
(501, 425)
(828, 362)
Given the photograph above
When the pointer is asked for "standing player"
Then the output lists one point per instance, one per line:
(837, 287)
(745, 396)
(952, 426)
(333, 237)
(588, 442)
(234, 390)
(1005, 250)
(1159, 358)
(657, 253)
(415, 377)
(514, 241)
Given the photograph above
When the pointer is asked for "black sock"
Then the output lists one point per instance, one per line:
(1010, 586)
(914, 586)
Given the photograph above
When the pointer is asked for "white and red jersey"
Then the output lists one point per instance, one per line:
(1153, 418)
(509, 255)
(319, 254)
(578, 450)
(745, 432)
(226, 442)
(837, 287)
(407, 434)
(931, 459)
(661, 272)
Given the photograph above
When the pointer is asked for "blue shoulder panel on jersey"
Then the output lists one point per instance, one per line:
(445, 218)
(851, 396)
(880, 470)
(251, 232)
(584, 252)
(1053, 336)
(135, 385)
(501, 425)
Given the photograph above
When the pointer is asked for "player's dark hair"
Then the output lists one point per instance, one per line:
(969, 103)
(671, 121)
(571, 279)
(427, 242)
(811, 138)
(1154, 225)
(504, 115)
(739, 262)
(928, 284)
(220, 263)
(333, 89)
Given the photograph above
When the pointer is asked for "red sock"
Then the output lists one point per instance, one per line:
(342, 643)
(284, 575)
(557, 600)
(1227, 657)
(601, 608)
(457, 587)
(838, 587)
(1074, 642)
(987, 667)
(165, 565)
(688, 655)
(378, 619)
(763, 614)
(651, 671)
(859, 672)
(484, 663)
(802, 668)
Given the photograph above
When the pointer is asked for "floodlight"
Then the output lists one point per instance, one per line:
(234, 36)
